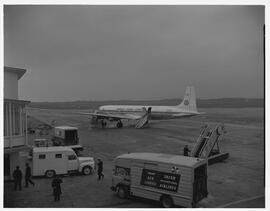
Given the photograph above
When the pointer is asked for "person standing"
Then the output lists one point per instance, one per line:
(186, 150)
(100, 169)
(56, 185)
(17, 175)
(28, 176)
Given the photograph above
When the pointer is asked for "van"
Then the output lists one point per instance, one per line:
(49, 161)
(173, 180)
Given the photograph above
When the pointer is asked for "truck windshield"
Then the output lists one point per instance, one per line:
(122, 171)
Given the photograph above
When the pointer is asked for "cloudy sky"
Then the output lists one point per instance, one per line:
(135, 52)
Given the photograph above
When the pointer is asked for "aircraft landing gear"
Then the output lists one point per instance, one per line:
(103, 123)
(119, 124)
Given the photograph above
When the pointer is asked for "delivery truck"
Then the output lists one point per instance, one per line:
(50, 161)
(173, 180)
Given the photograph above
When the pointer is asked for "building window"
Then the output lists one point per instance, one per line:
(17, 119)
(6, 119)
(14, 119)
(58, 155)
(42, 156)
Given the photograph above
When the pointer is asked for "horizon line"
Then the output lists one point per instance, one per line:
(244, 98)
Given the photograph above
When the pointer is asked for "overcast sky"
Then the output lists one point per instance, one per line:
(135, 52)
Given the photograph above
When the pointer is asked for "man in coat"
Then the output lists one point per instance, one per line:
(100, 169)
(17, 175)
(186, 150)
(28, 175)
(56, 185)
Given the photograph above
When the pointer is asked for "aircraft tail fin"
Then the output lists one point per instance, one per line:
(189, 101)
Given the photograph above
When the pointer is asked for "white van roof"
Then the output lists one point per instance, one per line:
(51, 149)
(163, 158)
(66, 128)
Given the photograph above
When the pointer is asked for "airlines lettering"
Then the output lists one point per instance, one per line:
(160, 180)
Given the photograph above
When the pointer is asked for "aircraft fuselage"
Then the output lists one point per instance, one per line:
(157, 112)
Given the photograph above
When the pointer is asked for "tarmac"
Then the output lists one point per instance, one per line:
(237, 182)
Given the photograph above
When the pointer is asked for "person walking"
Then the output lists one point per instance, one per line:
(100, 169)
(17, 175)
(186, 150)
(28, 176)
(56, 185)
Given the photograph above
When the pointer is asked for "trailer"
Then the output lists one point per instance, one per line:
(49, 161)
(173, 180)
(67, 136)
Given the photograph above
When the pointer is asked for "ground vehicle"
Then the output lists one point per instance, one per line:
(49, 161)
(66, 136)
(170, 179)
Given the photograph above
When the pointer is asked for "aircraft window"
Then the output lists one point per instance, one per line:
(58, 155)
(41, 156)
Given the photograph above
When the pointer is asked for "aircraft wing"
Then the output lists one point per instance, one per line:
(187, 114)
(107, 115)
(142, 119)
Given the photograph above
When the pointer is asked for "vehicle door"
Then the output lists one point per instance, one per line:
(200, 183)
(71, 137)
(72, 162)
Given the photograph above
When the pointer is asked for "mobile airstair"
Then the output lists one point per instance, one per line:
(144, 120)
(207, 144)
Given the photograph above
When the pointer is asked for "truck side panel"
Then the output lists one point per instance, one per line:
(50, 162)
(185, 187)
(137, 189)
(182, 196)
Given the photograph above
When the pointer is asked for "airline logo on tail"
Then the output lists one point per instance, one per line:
(189, 101)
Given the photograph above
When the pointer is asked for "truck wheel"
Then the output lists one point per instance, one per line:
(50, 173)
(166, 201)
(122, 193)
(87, 170)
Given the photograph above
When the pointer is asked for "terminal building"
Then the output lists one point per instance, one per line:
(15, 123)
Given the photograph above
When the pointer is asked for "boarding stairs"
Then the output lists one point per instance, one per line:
(144, 119)
(207, 146)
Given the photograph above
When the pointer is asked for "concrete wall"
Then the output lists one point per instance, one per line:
(18, 159)
(10, 85)
(14, 141)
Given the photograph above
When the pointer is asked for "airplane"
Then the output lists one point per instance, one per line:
(143, 113)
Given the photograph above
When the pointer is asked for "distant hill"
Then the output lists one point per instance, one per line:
(201, 103)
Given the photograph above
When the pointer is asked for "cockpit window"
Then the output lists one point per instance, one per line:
(122, 171)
